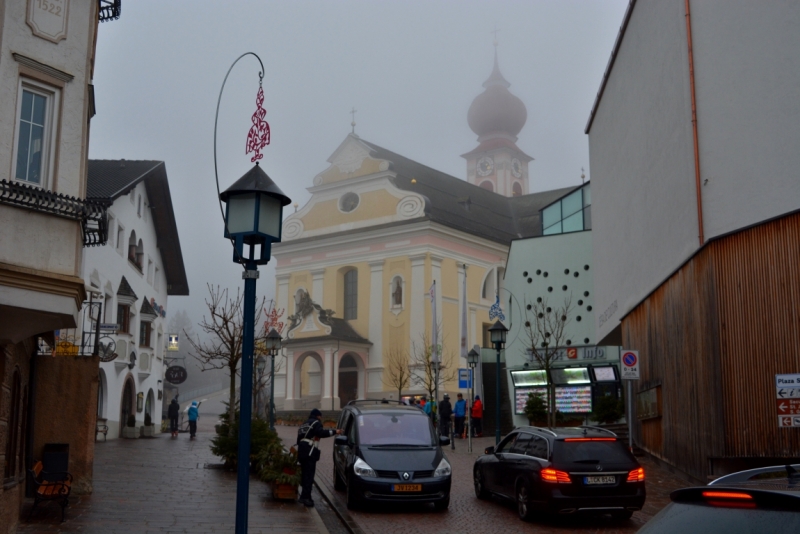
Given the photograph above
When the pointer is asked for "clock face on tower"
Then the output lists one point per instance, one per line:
(516, 167)
(485, 166)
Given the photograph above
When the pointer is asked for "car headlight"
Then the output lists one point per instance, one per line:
(443, 470)
(362, 469)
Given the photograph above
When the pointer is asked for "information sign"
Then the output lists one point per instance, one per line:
(464, 378)
(630, 365)
(787, 399)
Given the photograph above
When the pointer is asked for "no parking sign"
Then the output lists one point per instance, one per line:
(630, 365)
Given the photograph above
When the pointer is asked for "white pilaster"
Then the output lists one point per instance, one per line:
(289, 403)
(282, 295)
(327, 370)
(376, 313)
(436, 274)
(317, 275)
(462, 297)
(418, 294)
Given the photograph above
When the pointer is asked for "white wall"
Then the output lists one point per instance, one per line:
(644, 213)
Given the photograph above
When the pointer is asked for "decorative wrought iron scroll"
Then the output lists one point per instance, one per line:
(109, 9)
(81, 341)
(258, 136)
(92, 214)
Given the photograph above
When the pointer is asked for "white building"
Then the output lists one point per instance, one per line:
(133, 276)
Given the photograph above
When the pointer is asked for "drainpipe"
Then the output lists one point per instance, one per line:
(701, 235)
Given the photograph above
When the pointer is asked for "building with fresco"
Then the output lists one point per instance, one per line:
(357, 262)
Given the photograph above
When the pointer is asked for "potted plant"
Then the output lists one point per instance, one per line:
(279, 468)
(536, 410)
(608, 410)
(129, 431)
(149, 429)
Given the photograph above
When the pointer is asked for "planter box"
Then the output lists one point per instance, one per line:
(284, 491)
(130, 432)
(148, 431)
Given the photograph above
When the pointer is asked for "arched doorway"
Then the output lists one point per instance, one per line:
(127, 404)
(308, 380)
(101, 395)
(348, 379)
(149, 403)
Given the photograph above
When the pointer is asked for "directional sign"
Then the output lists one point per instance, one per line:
(787, 395)
(630, 365)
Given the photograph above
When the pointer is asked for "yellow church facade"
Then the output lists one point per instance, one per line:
(356, 265)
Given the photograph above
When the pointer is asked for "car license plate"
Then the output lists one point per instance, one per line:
(407, 487)
(608, 479)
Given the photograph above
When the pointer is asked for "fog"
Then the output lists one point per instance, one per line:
(410, 69)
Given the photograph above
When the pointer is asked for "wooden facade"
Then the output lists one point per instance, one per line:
(711, 339)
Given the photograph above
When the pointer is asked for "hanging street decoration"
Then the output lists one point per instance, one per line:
(176, 375)
(258, 136)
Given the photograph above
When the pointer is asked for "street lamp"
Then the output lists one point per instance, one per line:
(261, 365)
(473, 357)
(253, 221)
(498, 333)
(273, 346)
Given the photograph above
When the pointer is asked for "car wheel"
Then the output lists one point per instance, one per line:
(353, 501)
(625, 514)
(338, 484)
(441, 506)
(480, 488)
(524, 508)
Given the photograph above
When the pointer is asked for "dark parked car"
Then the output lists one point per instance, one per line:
(564, 470)
(763, 501)
(389, 452)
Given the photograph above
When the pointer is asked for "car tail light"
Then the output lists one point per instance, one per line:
(637, 475)
(727, 495)
(552, 475)
(729, 499)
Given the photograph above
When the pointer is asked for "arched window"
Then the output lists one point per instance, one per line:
(516, 189)
(132, 247)
(351, 294)
(139, 254)
(489, 186)
(397, 292)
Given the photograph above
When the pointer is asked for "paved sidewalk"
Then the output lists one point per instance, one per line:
(467, 514)
(162, 485)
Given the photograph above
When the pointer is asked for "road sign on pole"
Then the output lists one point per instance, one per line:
(630, 365)
(787, 395)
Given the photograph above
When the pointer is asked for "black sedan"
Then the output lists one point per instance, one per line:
(390, 453)
(564, 470)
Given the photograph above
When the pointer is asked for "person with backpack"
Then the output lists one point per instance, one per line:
(308, 452)
(173, 413)
(194, 415)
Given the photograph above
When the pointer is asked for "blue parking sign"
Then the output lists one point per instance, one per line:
(464, 378)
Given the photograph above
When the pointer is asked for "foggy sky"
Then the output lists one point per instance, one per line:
(410, 68)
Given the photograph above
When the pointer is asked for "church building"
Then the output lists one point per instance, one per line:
(357, 263)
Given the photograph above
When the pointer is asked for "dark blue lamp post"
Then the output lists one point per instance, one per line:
(273, 346)
(498, 333)
(253, 221)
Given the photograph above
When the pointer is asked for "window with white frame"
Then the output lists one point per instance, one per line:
(139, 207)
(120, 238)
(37, 110)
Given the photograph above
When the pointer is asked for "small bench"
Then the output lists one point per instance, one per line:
(50, 487)
(101, 429)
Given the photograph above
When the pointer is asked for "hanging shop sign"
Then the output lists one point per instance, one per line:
(172, 343)
(176, 375)
(107, 347)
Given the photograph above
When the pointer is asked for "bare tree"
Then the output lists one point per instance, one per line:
(262, 381)
(545, 326)
(422, 375)
(398, 372)
(222, 348)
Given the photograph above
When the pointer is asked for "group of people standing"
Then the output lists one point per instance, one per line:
(457, 414)
(174, 412)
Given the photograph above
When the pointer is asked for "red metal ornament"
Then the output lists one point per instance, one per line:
(258, 136)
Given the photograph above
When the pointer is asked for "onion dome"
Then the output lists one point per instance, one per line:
(496, 110)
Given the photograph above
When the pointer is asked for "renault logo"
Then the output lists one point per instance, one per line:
(599, 467)
(406, 476)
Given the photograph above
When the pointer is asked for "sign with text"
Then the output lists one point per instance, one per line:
(787, 399)
(630, 364)
(172, 343)
(176, 375)
(464, 378)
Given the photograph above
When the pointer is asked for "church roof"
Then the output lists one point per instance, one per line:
(458, 204)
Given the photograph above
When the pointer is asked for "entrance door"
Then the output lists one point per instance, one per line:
(127, 405)
(348, 379)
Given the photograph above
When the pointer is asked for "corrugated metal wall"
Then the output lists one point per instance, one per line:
(713, 337)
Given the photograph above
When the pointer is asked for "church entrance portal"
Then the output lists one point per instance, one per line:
(348, 379)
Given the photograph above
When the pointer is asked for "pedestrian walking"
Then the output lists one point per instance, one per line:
(477, 417)
(174, 412)
(194, 415)
(460, 413)
(445, 415)
(308, 452)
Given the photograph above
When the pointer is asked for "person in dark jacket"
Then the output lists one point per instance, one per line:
(308, 453)
(445, 414)
(173, 412)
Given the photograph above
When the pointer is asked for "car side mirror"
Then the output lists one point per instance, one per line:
(489, 450)
(444, 440)
(340, 440)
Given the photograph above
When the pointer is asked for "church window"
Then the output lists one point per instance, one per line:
(489, 186)
(516, 189)
(348, 202)
(351, 294)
